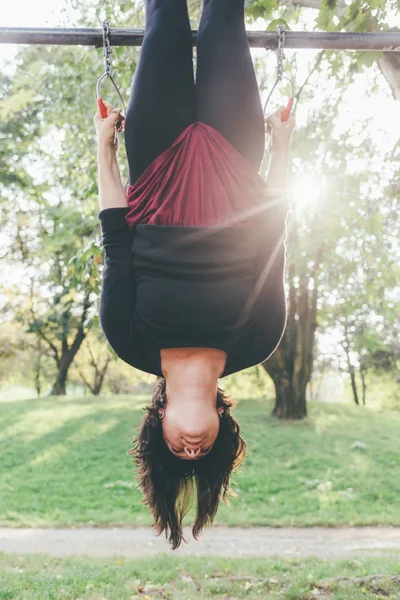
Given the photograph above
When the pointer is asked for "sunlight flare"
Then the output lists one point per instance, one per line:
(306, 192)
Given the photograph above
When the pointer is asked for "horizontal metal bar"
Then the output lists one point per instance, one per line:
(384, 40)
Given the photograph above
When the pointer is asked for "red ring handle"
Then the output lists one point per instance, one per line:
(286, 113)
(103, 113)
(102, 108)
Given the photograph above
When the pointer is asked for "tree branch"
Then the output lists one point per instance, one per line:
(52, 346)
(102, 374)
(311, 73)
(93, 360)
(85, 381)
(80, 333)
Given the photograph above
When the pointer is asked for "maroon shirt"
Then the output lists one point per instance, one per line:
(201, 180)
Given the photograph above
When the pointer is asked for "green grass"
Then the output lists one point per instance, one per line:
(170, 578)
(60, 455)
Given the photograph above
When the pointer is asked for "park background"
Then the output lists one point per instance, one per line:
(321, 417)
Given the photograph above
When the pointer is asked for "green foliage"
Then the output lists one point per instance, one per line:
(18, 123)
(274, 24)
(365, 60)
(261, 9)
(325, 20)
(251, 383)
(384, 389)
(331, 4)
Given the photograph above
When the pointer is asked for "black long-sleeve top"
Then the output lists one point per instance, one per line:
(176, 287)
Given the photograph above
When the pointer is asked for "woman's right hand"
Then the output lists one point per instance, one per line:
(105, 128)
(280, 131)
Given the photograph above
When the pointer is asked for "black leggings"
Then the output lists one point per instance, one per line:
(165, 99)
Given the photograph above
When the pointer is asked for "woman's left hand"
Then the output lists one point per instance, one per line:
(280, 131)
(105, 127)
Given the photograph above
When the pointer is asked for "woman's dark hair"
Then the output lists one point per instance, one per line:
(167, 481)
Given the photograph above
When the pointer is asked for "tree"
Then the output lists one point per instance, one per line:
(337, 15)
(52, 239)
(61, 243)
(93, 366)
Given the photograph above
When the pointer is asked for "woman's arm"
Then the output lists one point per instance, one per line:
(111, 190)
(277, 175)
(118, 293)
(281, 133)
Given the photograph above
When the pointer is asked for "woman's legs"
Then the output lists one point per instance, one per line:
(227, 95)
(162, 103)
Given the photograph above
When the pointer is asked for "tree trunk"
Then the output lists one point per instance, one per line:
(64, 364)
(68, 353)
(100, 377)
(364, 386)
(346, 348)
(99, 373)
(290, 367)
(289, 403)
(61, 381)
(354, 385)
(38, 368)
(38, 387)
(97, 387)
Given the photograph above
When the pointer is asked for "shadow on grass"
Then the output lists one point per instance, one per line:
(65, 461)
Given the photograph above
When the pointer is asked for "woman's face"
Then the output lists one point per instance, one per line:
(190, 430)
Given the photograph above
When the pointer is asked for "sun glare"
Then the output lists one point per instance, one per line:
(306, 192)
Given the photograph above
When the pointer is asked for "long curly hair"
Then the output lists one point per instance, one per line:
(167, 482)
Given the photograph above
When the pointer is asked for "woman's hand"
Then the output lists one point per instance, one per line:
(107, 137)
(280, 132)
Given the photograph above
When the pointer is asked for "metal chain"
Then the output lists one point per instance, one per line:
(279, 51)
(279, 57)
(107, 51)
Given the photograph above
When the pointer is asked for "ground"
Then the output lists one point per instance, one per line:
(64, 465)
(293, 542)
(169, 577)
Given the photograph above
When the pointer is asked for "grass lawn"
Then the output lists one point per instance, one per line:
(64, 462)
(170, 578)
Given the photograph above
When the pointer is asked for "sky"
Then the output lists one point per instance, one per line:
(28, 13)
(25, 13)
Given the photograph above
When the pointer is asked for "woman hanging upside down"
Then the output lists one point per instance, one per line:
(194, 250)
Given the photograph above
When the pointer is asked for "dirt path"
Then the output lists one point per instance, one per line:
(223, 541)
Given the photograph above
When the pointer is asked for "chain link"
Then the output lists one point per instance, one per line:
(279, 57)
(107, 50)
(279, 51)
